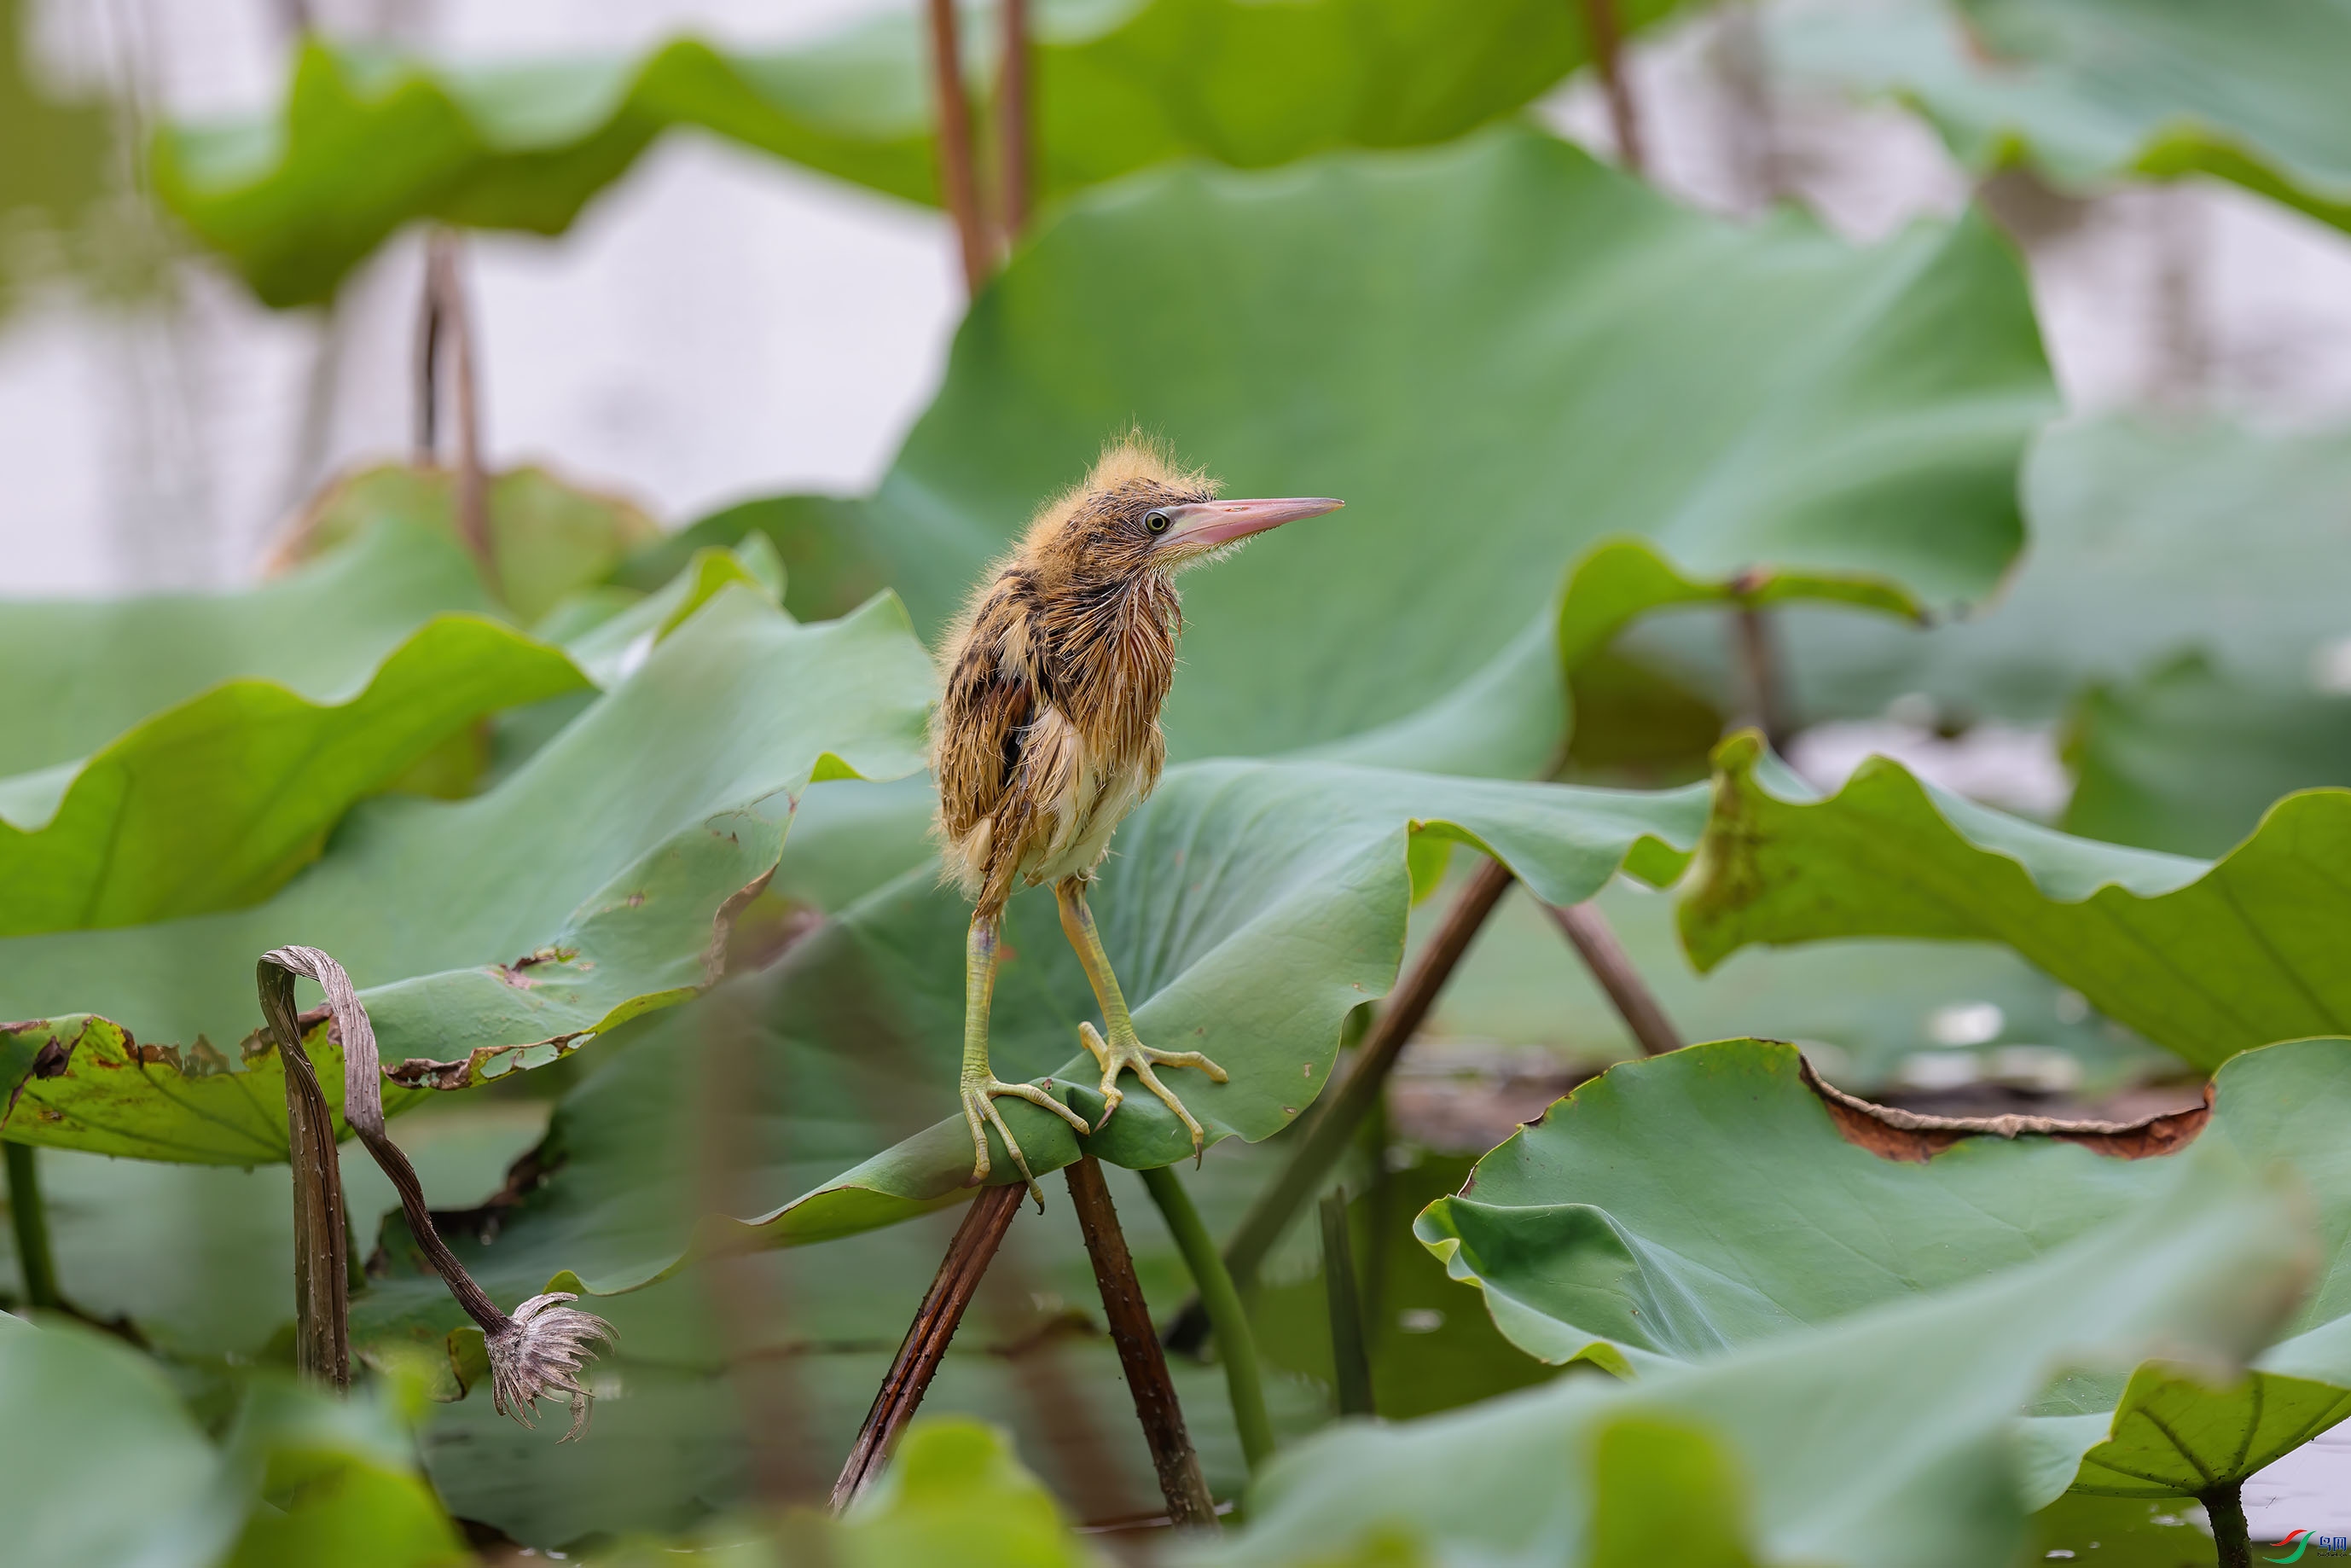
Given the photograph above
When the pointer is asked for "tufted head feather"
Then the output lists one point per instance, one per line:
(1134, 471)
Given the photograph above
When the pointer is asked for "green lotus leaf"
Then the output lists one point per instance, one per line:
(2176, 1431)
(215, 802)
(2205, 958)
(81, 672)
(954, 1491)
(1884, 1438)
(620, 636)
(2188, 757)
(1251, 907)
(2177, 611)
(100, 1463)
(77, 1406)
(2089, 92)
(549, 539)
(366, 141)
(1767, 1222)
(1585, 402)
(487, 935)
(2150, 541)
(1865, 1009)
(827, 570)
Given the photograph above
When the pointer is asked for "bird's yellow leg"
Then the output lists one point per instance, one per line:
(980, 1085)
(1122, 1051)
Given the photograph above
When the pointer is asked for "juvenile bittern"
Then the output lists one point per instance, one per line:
(1048, 735)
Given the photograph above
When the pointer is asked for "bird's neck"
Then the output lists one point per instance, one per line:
(1113, 641)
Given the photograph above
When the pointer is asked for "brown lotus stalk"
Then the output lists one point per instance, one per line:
(542, 1348)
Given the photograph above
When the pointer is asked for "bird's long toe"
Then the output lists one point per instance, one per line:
(979, 1114)
(1131, 1055)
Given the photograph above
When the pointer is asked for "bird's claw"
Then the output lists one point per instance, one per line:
(1130, 1053)
(980, 1093)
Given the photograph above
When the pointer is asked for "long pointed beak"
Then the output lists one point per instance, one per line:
(1205, 523)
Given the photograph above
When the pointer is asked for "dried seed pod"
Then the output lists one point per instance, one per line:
(542, 1350)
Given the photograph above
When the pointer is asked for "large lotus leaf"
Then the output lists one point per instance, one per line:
(338, 1478)
(81, 672)
(99, 1463)
(816, 540)
(1766, 1220)
(2176, 1432)
(1865, 1009)
(1250, 909)
(2092, 91)
(215, 802)
(2148, 540)
(547, 537)
(2180, 606)
(1883, 1439)
(486, 935)
(366, 141)
(2188, 757)
(82, 1413)
(1510, 360)
(2204, 958)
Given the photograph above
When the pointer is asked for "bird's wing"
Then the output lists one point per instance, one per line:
(991, 698)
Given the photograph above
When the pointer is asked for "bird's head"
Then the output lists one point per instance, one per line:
(1140, 511)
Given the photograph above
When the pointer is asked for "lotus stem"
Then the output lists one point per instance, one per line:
(2232, 1544)
(30, 1216)
(446, 315)
(1015, 116)
(1595, 942)
(1607, 38)
(543, 1348)
(958, 176)
(1236, 1346)
(322, 1284)
(1351, 1363)
(1339, 1114)
(1756, 648)
(425, 394)
(1189, 1504)
(952, 1288)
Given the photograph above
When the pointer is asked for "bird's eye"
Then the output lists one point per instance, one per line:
(1155, 520)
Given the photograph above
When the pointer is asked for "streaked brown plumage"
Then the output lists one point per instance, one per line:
(1048, 734)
